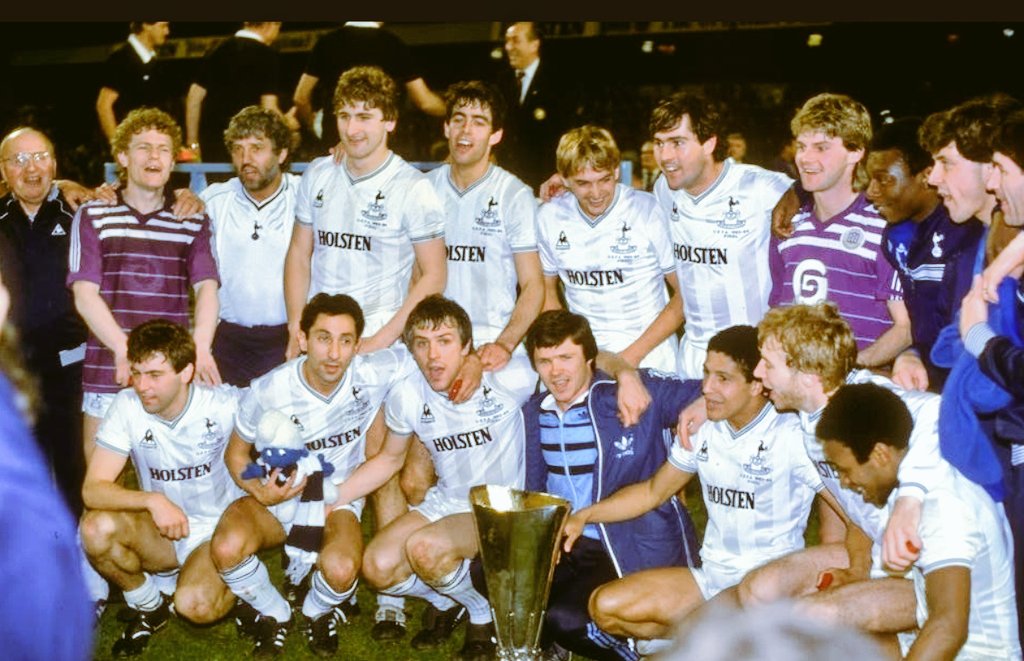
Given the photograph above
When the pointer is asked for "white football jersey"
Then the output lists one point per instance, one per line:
(613, 267)
(720, 245)
(921, 470)
(485, 226)
(182, 458)
(250, 240)
(364, 230)
(481, 441)
(333, 425)
(758, 487)
(962, 526)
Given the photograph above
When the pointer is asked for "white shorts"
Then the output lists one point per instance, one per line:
(199, 531)
(436, 505)
(712, 578)
(97, 403)
(690, 364)
(356, 507)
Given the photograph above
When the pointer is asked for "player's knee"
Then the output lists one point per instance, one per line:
(227, 547)
(340, 570)
(378, 566)
(427, 554)
(195, 605)
(754, 590)
(98, 530)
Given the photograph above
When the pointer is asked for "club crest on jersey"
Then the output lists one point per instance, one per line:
(427, 416)
(361, 402)
(624, 446)
(563, 242)
(148, 441)
(731, 219)
(489, 217)
(758, 465)
(211, 437)
(319, 201)
(623, 246)
(375, 212)
(936, 248)
(298, 423)
(702, 453)
(488, 406)
(852, 238)
(674, 215)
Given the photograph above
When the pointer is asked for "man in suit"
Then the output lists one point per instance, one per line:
(541, 107)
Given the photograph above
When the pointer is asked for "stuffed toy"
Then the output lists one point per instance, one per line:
(280, 446)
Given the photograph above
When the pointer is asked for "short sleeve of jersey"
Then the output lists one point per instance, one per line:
(521, 221)
(923, 467)
(949, 535)
(398, 413)
(318, 64)
(201, 264)
(517, 378)
(250, 409)
(424, 213)
(113, 430)
(304, 195)
(114, 69)
(661, 240)
(85, 261)
(889, 287)
(548, 262)
(683, 459)
(790, 435)
(772, 186)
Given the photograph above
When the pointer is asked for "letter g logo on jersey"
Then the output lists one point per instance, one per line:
(810, 282)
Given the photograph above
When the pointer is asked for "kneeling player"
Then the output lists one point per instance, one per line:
(758, 487)
(426, 552)
(963, 578)
(176, 432)
(332, 395)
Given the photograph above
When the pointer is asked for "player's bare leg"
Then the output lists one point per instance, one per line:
(646, 604)
(201, 595)
(792, 575)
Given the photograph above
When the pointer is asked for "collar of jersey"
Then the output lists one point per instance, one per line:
(259, 205)
(611, 207)
(460, 193)
(313, 391)
(380, 168)
(726, 167)
(174, 423)
(764, 413)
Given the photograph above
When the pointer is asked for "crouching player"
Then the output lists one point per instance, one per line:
(175, 431)
(758, 486)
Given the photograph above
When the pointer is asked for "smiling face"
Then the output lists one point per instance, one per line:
(439, 352)
(364, 132)
(874, 480)
(330, 345)
(593, 189)
(521, 45)
(727, 393)
(564, 370)
(1006, 181)
(785, 385)
(895, 192)
(685, 161)
(824, 163)
(148, 160)
(29, 167)
(162, 391)
(258, 167)
(961, 184)
(470, 135)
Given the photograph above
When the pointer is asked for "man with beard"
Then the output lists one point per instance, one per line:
(251, 219)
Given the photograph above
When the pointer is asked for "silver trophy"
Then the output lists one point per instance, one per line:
(520, 534)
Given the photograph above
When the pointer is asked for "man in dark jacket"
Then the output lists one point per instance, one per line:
(577, 448)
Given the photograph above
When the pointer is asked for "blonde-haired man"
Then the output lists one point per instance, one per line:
(609, 245)
(835, 251)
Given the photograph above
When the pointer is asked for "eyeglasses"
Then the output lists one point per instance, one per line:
(22, 158)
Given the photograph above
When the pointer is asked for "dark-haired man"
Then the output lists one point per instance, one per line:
(963, 578)
(758, 485)
(719, 214)
(251, 219)
(175, 431)
(577, 448)
(933, 256)
(132, 75)
(331, 394)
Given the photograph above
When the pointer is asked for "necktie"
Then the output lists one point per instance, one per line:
(520, 76)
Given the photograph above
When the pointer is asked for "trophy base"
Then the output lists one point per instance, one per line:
(519, 654)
